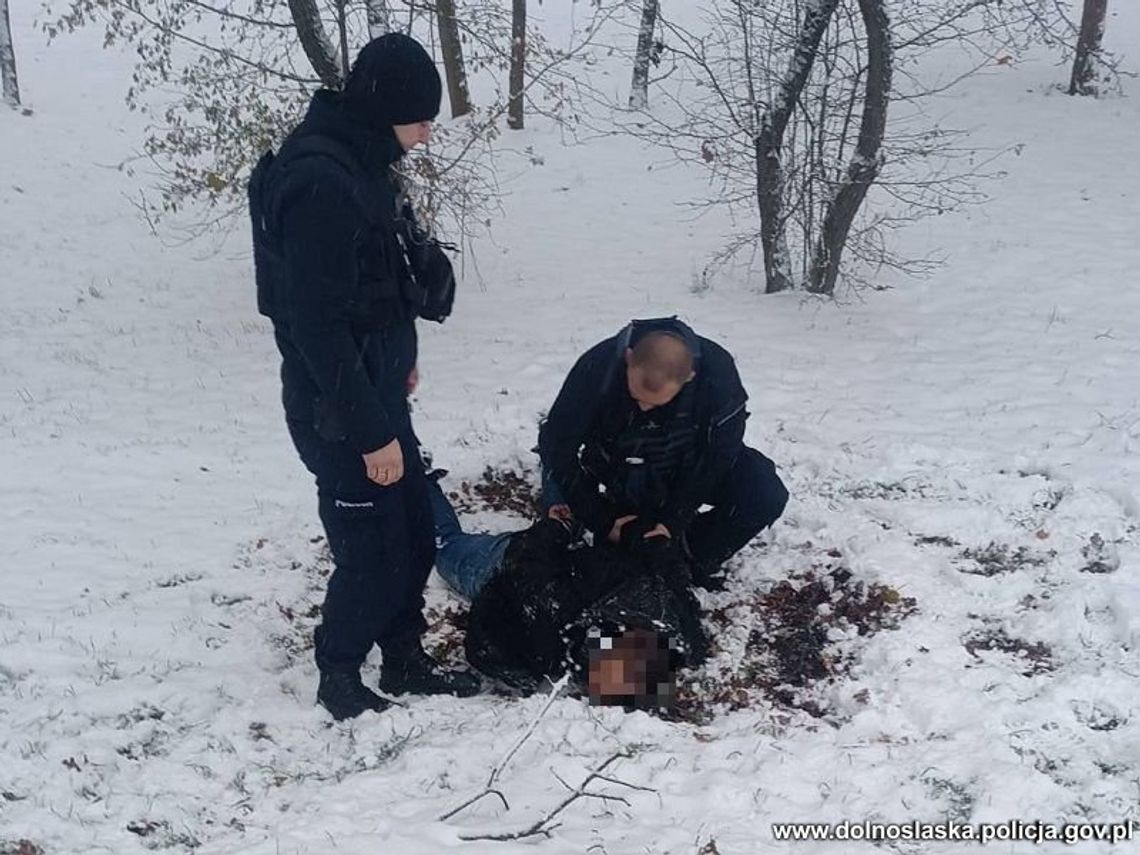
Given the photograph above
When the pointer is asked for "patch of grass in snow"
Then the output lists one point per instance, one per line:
(956, 795)
(799, 629)
(995, 558)
(158, 834)
(1035, 657)
(499, 489)
(895, 490)
(1100, 556)
(446, 631)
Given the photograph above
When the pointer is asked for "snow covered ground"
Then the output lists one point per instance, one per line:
(964, 440)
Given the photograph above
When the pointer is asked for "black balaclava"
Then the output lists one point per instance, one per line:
(394, 81)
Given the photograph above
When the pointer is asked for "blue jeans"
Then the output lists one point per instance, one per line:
(466, 562)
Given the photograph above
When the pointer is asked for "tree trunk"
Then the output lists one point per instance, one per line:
(1083, 81)
(518, 65)
(315, 42)
(342, 32)
(770, 140)
(11, 85)
(379, 19)
(865, 165)
(449, 43)
(639, 88)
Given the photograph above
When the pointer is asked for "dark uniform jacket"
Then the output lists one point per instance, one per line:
(610, 459)
(331, 247)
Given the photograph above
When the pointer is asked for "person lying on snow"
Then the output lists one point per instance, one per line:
(543, 603)
(647, 429)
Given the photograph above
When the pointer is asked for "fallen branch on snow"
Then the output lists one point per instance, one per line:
(497, 770)
(546, 824)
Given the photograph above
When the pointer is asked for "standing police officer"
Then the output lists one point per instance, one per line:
(343, 271)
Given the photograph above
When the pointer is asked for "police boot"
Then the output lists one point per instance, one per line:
(345, 696)
(708, 573)
(407, 669)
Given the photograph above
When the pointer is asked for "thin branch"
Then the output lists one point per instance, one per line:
(498, 768)
(499, 111)
(237, 16)
(228, 54)
(545, 824)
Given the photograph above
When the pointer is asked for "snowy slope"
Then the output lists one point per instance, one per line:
(160, 543)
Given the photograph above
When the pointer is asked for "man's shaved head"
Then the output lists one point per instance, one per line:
(662, 360)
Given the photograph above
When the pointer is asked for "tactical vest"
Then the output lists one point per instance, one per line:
(393, 289)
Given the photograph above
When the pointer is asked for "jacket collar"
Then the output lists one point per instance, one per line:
(330, 115)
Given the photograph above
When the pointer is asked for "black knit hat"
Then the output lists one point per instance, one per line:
(394, 81)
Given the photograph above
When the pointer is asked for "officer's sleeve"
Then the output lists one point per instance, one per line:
(318, 228)
(723, 442)
(564, 431)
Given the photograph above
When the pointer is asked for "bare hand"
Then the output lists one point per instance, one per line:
(560, 512)
(615, 532)
(413, 381)
(385, 466)
(658, 531)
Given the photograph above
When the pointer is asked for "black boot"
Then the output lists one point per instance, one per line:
(344, 695)
(407, 669)
(707, 573)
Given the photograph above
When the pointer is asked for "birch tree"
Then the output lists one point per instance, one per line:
(643, 58)
(10, 83)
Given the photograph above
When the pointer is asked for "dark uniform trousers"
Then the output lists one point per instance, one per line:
(383, 547)
(746, 501)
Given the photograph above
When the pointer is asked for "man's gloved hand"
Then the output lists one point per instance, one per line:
(633, 533)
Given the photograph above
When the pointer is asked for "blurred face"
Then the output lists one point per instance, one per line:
(646, 398)
(619, 673)
(612, 675)
(410, 136)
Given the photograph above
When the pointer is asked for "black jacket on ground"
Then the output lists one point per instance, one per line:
(531, 621)
(333, 276)
(662, 464)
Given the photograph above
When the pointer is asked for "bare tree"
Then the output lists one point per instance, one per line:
(316, 44)
(1088, 52)
(785, 102)
(379, 18)
(451, 46)
(864, 166)
(518, 64)
(646, 53)
(341, 7)
(11, 84)
(770, 181)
